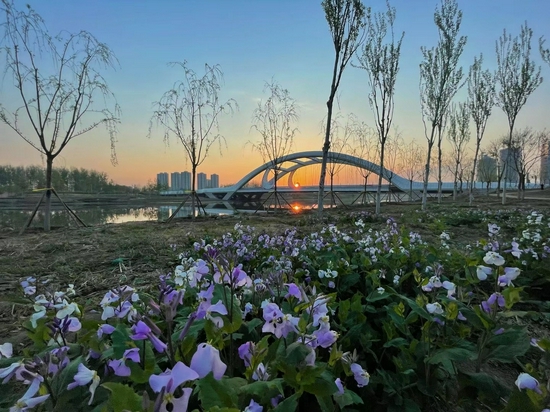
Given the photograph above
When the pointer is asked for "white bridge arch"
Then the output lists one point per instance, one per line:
(302, 159)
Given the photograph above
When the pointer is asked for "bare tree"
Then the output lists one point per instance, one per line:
(380, 59)
(364, 147)
(440, 77)
(518, 77)
(459, 136)
(190, 112)
(341, 135)
(526, 148)
(481, 99)
(61, 92)
(345, 20)
(394, 150)
(410, 164)
(274, 120)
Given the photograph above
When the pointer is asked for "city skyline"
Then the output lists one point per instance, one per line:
(183, 180)
(253, 43)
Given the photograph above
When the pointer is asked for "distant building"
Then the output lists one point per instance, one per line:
(545, 163)
(176, 181)
(162, 180)
(186, 180)
(509, 163)
(214, 181)
(202, 181)
(487, 169)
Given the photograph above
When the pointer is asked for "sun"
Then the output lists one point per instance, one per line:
(296, 185)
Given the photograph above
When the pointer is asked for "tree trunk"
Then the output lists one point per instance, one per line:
(410, 190)
(331, 189)
(275, 176)
(427, 173)
(379, 189)
(326, 147)
(48, 206)
(193, 189)
(439, 165)
(472, 177)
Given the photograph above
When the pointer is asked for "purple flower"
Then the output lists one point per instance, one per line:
(27, 402)
(207, 359)
(206, 309)
(167, 382)
(10, 371)
(119, 366)
(83, 377)
(496, 298)
(142, 332)
(245, 352)
(340, 387)
(293, 291)
(105, 329)
(254, 407)
(361, 375)
(526, 381)
(461, 316)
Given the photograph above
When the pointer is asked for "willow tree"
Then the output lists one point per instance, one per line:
(345, 19)
(189, 111)
(481, 99)
(61, 94)
(380, 59)
(518, 77)
(274, 119)
(458, 135)
(440, 78)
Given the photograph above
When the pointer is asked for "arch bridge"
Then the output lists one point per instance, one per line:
(295, 161)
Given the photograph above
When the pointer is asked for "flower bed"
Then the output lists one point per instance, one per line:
(334, 320)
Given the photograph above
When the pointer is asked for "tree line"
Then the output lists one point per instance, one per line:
(22, 179)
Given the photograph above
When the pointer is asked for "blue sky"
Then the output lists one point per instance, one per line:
(254, 41)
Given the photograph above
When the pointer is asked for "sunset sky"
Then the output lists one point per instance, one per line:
(254, 41)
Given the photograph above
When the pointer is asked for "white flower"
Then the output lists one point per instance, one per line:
(483, 271)
(380, 290)
(66, 308)
(434, 308)
(6, 350)
(493, 258)
(83, 377)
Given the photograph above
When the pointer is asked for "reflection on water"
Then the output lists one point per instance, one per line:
(97, 215)
(16, 219)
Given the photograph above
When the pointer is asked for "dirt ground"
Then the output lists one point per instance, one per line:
(95, 259)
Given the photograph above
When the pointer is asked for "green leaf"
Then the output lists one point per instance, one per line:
(264, 389)
(121, 340)
(290, 404)
(397, 343)
(323, 385)
(508, 345)
(452, 354)
(347, 398)
(222, 393)
(520, 402)
(123, 398)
